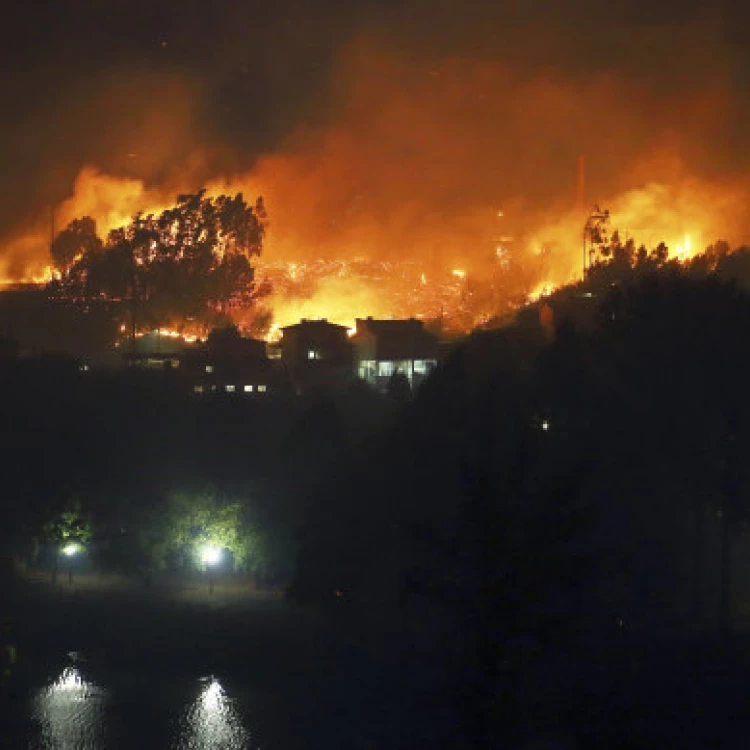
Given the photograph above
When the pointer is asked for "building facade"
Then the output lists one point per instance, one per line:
(316, 355)
(387, 348)
(231, 365)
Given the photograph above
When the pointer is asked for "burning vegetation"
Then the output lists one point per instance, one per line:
(190, 262)
(197, 264)
(395, 206)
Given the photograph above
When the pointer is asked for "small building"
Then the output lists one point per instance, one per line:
(153, 351)
(229, 364)
(384, 348)
(316, 354)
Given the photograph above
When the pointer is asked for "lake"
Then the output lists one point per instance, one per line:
(86, 706)
(130, 669)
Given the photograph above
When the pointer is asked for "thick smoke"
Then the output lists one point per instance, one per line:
(418, 140)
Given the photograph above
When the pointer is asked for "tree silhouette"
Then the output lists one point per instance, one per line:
(78, 239)
(191, 261)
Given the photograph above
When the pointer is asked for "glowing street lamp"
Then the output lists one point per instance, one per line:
(211, 555)
(70, 550)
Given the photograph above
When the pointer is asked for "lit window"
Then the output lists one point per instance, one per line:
(402, 366)
(424, 366)
(367, 369)
(545, 424)
(229, 389)
(209, 369)
(386, 369)
(262, 389)
(198, 389)
(248, 389)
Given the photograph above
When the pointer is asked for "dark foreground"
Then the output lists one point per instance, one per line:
(125, 667)
(119, 667)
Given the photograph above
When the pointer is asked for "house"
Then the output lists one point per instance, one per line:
(316, 354)
(230, 364)
(384, 348)
(154, 351)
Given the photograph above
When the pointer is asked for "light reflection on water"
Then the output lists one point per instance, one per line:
(69, 713)
(73, 713)
(212, 721)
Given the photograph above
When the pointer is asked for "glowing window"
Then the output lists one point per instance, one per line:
(386, 369)
(424, 366)
(262, 389)
(198, 389)
(209, 368)
(229, 389)
(248, 389)
(367, 368)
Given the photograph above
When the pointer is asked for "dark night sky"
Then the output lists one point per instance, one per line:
(141, 86)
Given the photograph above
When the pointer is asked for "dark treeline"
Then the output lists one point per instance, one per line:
(555, 530)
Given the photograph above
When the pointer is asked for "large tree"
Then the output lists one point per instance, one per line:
(187, 522)
(78, 239)
(190, 261)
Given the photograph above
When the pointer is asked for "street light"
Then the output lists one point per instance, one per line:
(70, 550)
(211, 555)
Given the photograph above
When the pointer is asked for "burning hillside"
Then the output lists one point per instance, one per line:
(504, 272)
(443, 188)
(344, 290)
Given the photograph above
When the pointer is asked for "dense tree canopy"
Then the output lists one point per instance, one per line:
(190, 261)
(188, 522)
(78, 239)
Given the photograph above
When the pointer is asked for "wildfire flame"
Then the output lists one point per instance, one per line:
(543, 289)
(397, 178)
(684, 251)
(686, 214)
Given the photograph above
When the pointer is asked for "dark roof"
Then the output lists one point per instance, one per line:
(391, 327)
(155, 344)
(313, 324)
(396, 339)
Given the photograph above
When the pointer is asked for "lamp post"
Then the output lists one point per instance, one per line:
(211, 555)
(70, 550)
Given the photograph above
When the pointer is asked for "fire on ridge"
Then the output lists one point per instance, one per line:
(514, 258)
